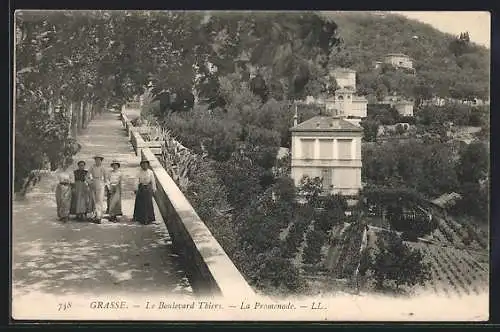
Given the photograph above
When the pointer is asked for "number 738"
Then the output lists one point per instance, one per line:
(63, 306)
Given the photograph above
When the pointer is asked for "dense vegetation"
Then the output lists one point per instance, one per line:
(237, 176)
(396, 263)
(431, 170)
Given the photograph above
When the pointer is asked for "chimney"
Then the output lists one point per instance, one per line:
(335, 123)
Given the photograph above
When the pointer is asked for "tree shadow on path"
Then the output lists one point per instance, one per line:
(53, 257)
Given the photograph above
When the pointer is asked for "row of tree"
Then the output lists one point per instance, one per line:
(65, 72)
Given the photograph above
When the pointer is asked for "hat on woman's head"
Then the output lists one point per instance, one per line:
(115, 162)
(98, 156)
(81, 162)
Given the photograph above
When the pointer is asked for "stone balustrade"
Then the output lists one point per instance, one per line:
(136, 138)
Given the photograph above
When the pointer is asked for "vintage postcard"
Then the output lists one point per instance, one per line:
(251, 166)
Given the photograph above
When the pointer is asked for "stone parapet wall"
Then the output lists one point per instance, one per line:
(209, 268)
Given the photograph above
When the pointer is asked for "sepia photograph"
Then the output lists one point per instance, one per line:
(250, 165)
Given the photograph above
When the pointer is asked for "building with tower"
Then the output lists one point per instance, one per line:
(345, 78)
(344, 102)
(347, 104)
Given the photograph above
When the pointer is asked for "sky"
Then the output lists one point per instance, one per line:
(477, 23)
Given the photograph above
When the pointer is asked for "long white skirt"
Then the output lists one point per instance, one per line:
(98, 197)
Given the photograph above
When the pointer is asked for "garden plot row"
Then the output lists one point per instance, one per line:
(334, 245)
(454, 233)
(349, 253)
(453, 271)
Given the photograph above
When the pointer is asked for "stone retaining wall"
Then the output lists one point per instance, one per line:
(209, 269)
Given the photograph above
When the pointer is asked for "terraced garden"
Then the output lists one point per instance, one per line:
(458, 258)
(453, 271)
(343, 252)
(457, 255)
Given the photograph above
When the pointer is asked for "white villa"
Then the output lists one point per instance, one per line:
(328, 147)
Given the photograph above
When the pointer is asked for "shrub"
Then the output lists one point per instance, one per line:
(312, 251)
(397, 262)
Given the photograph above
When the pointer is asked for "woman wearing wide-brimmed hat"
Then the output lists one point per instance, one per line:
(98, 181)
(81, 203)
(114, 191)
(145, 188)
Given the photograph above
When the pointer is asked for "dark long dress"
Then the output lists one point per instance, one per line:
(143, 208)
(81, 201)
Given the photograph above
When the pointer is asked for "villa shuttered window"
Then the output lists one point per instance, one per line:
(326, 148)
(326, 175)
(344, 148)
(307, 148)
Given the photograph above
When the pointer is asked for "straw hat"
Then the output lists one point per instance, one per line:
(81, 162)
(98, 156)
(115, 162)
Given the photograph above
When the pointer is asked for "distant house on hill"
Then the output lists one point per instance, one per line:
(398, 60)
(347, 104)
(344, 102)
(435, 101)
(402, 105)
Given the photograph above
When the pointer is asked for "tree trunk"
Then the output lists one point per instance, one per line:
(74, 113)
(69, 111)
(88, 115)
(80, 116)
(75, 119)
(91, 110)
(84, 115)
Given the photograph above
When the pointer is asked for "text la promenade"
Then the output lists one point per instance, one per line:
(205, 305)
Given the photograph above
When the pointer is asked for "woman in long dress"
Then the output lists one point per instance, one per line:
(63, 196)
(98, 181)
(114, 191)
(81, 202)
(146, 187)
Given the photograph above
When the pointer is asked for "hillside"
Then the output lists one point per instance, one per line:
(289, 55)
(368, 37)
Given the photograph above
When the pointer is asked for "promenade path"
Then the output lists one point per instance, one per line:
(50, 257)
